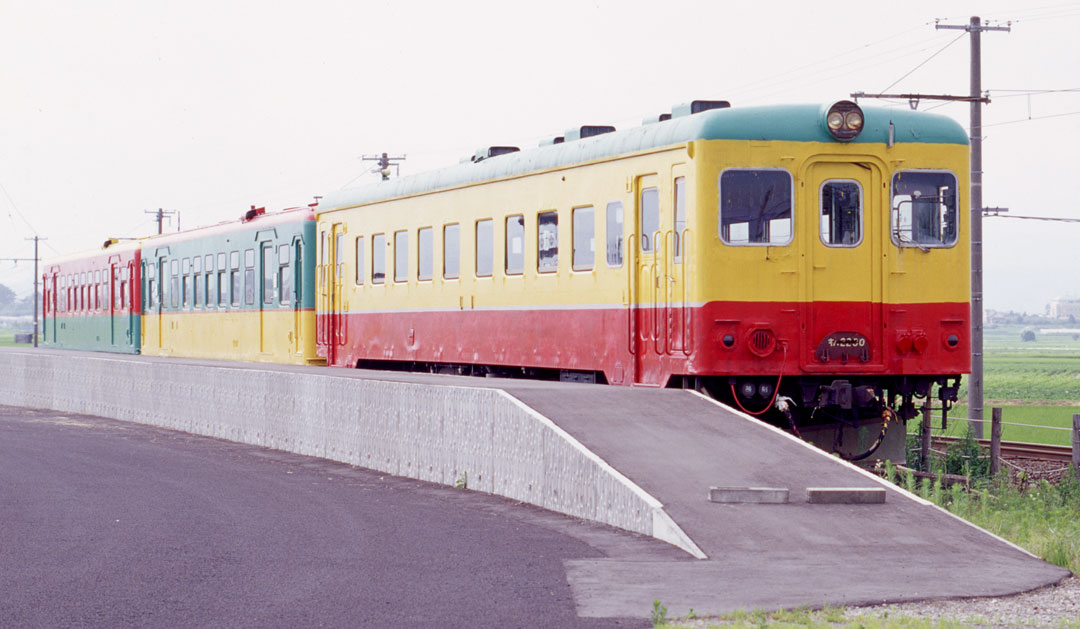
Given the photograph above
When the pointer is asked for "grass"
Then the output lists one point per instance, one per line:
(7, 339)
(1057, 419)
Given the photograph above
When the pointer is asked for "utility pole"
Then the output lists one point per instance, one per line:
(975, 382)
(36, 258)
(160, 214)
(976, 100)
(383, 164)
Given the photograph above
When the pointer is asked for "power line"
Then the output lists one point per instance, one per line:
(998, 124)
(1055, 219)
(910, 72)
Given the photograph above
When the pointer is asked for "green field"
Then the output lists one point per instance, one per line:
(1034, 382)
(7, 339)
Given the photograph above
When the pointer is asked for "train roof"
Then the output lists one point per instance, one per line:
(790, 123)
(258, 221)
(109, 249)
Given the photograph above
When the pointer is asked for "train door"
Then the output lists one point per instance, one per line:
(128, 288)
(645, 250)
(297, 275)
(677, 261)
(159, 300)
(843, 200)
(50, 322)
(266, 296)
(113, 294)
(332, 259)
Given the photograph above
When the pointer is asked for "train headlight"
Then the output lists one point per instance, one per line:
(844, 120)
(765, 389)
(747, 390)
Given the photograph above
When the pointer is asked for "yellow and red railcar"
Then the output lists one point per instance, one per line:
(811, 257)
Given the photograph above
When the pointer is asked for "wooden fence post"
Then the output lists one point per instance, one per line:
(1076, 444)
(925, 434)
(995, 441)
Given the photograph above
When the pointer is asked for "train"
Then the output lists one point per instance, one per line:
(805, 263)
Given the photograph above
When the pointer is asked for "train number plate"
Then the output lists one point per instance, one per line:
(844, 346)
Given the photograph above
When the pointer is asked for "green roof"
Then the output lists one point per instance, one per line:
(781, 123)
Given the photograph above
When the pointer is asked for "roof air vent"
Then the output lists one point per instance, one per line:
(493, 151)
(698, 106)
(555, 140)
(655, 119)
(252, 213)
(586, 131)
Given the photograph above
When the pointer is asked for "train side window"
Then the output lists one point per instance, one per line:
(755, 206)
(425, 253)
(515, 245)
(285, 278)
(650, 218)
(185, 282)
(196, 269)
(378, 259)
(615, 234)
(401, 256)
(174, 283)
(223, 284)
(680, 216)
(924, 209)
(249, 276)
(840, 221)
(485, 247)
(547, 241)
(452, 251)
(151, 285)
(361, 269)
(208, 282)
(234, 278)
(584, 225)
(269, 272)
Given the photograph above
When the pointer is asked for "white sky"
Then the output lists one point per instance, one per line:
(108, 109)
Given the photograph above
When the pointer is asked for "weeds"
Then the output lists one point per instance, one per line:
(659, 614)
(462, 481)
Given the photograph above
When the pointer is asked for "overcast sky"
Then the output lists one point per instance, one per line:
(110, 109)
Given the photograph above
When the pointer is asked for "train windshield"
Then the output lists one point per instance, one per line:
(924, 209)
(755, 207)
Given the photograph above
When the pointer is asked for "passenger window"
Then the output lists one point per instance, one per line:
(401, 256)
(547, 242)
(680, 216)
(841, 213)
(249, 276)
(268, 274)
(208, 286)
(360, 268)
(452, 251)
(584, 224)
(223, 285)
(425, 249)
(234, 278)
(515, 245)
(650, 218)
(924, 209)
(378, 259)
(196, 268)
(284, 277)
(485, 245)
(174, 283)
(755, 207)
(614, 234)
(185, 281)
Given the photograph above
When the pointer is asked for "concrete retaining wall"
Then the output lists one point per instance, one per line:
(432, 433)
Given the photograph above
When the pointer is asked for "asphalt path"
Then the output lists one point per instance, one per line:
(107, 523)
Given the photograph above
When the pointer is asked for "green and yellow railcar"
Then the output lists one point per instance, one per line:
(242, 290)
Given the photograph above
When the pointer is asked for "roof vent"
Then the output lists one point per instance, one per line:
(555, 140)
(586, 131)
(698, 106)
(493, 151)
(655, 119)
(252, 213)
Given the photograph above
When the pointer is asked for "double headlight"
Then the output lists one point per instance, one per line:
(844, 120)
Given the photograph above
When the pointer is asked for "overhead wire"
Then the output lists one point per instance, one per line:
(928, 59)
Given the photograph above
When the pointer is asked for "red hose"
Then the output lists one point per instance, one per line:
(775, 392)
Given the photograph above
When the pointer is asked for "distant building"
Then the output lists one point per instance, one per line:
(1064, 308)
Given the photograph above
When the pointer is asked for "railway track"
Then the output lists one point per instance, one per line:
(1019, 449)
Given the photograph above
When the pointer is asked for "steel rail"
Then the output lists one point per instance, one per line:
(1020, 449)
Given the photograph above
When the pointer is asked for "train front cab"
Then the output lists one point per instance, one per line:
(836, 271)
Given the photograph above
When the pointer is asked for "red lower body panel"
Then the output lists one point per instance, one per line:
(648, 345)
